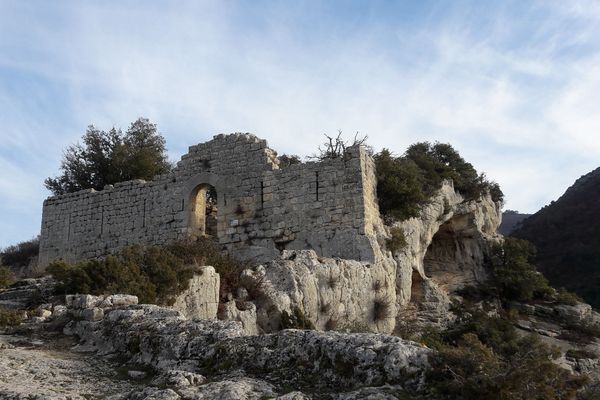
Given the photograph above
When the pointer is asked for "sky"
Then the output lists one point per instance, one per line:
(514, 86)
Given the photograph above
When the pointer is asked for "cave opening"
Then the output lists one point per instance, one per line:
(454, 258)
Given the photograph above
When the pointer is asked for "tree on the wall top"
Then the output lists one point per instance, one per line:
(105, 158)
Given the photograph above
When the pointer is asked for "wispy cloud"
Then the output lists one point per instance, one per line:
(513, 86)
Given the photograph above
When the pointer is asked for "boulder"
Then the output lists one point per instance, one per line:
(241, 311)
(93, 314)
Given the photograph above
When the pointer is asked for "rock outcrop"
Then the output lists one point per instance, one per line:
(201, 298)
(27, 293)
(331, 293)
(445, 250)
(165, 341)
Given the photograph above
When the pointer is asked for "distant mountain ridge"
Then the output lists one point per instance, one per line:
(511, 219)
(567, 235)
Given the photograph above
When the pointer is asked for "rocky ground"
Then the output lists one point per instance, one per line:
(44, 367)
(109, 347)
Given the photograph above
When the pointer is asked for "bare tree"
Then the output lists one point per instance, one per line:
(336, 147)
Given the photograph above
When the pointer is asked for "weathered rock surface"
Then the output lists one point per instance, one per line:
(445, 250)
(204, 359)
(27, 293)
(331, 293)
(164, 340)
(201, 298)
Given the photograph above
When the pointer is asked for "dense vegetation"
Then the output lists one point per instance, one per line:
(566, 234)
(154, 274)
(483, 357)
(9, 317)
(21, 254)
(109, 157)
(6, 276)
(405, 183)
(514, 275)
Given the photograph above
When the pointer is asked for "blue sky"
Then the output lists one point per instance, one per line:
(514, 86)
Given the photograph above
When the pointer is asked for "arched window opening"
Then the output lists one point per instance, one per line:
(203, 221)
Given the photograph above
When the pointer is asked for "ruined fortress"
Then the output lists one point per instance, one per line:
(231, 188)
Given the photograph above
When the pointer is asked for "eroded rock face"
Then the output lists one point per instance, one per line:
(201, 298)
(445, 250)
(331, 293)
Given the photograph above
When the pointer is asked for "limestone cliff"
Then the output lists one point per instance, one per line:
(446, 248)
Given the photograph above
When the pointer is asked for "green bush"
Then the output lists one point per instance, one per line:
(108, 157)
(154, 274)
(9, 317)
(480, 357)
(296, 320)
(401, 187)
(20, 254)
(514, 276)
(405, 183)
(205, 252)
(397, 241)
(580, 332)
(566, 297)
(581, 353)
(6, 276)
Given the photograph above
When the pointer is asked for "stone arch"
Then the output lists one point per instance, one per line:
(203, 211)
(204, 198)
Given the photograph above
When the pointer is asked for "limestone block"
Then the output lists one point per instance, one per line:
(241, 311)
(331, 293)
(81, 301)
(59, 311)
(120, 300)
(201, 299)
(93, 314)
(576, 313)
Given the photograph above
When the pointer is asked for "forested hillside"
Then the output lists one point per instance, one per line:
(567, 236)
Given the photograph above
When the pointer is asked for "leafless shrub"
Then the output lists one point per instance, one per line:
(333, 282)
(377, 285)
(325, 308)
(331, 324)
(382, 309)
(336, 147)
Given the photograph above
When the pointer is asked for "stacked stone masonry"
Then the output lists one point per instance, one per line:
(329, 206)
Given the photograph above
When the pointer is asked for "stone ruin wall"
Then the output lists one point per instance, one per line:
(329, 206)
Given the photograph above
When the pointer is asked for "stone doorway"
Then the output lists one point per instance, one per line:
(203, 221)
